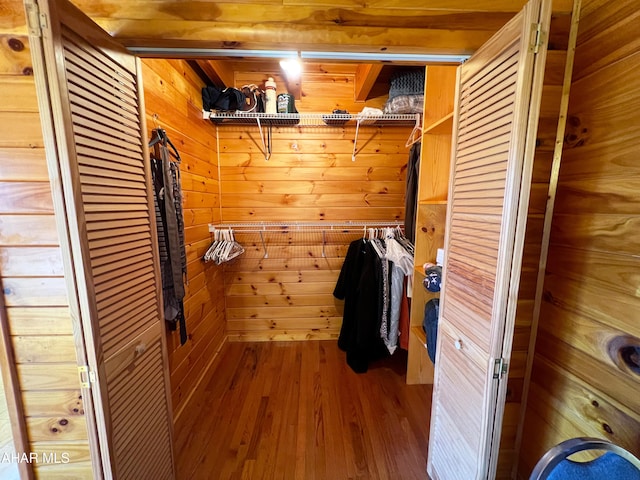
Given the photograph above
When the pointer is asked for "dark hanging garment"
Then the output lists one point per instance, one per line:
(170, 226)
(411, 198)
(359, 285)
(430, 326)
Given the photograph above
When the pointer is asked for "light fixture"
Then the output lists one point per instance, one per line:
(292, 68)
(385, 57)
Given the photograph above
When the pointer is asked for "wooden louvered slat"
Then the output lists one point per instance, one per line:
(107, 142)
(106, 124)
(490, 127)
(114, 159)
(492, 154)
(113, 307)
(115, 197)
(120, 239)
(475, 234)
(89, 187)
(82, 87)
(485, 111)
(142, 421)
(132, 418)
(476, 144)
(502, 73)
(115, 255)
(76, 63)
(113, 342)
(104, 110)
(494, 124)
(97, 172)
(115, 209)
(119, 295)
(139, 319)
(481, 72)
(483, 168)
(114, 313)
(91, 151)
(487, 252)
(98, 219)
(110, 81)
(135, 306)
(102, 230)
(92, 183)
(123, 270)
(488, 172)
(101, 60)
(116, 285)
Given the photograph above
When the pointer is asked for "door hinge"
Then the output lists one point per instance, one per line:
(36, 21)
(500, 368)
(536, 37)
(87, 377)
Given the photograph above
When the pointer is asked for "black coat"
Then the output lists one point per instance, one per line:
(359, 285)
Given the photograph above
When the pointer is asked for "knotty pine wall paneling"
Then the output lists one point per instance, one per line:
(580, 384)
(31, 269)
(173, 101)
(310, 177)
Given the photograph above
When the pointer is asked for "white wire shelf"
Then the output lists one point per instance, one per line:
(262, 237)
(310, 119)
(303, 226)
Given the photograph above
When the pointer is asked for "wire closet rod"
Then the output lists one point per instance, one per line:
(302, 226)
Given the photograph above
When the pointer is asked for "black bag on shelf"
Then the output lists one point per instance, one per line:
(226, 100)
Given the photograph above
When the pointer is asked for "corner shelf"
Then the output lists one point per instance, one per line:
(419, 333)
(442, 126)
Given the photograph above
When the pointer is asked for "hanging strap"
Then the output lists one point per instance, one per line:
(160, 136)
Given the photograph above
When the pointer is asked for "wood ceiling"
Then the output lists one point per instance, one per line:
(369, 26)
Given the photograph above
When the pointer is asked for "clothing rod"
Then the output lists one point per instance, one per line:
(301, 226)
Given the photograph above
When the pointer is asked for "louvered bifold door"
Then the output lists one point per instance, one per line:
(496, 118)
(101, 152)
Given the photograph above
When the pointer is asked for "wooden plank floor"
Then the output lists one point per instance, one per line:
(295, 410)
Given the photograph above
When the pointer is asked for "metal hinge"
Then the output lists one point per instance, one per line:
(500, 368)
(87, 377)
(36, 21)
(536, 37)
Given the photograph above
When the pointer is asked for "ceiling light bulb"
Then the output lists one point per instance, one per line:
(292, 67)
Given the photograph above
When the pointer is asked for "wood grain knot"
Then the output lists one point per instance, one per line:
(624, 351)
(15, 45)
(576, 134)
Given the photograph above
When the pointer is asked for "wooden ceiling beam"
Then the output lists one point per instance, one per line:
(293, 37)
(441, 14)
(366, 76)
(217, 71)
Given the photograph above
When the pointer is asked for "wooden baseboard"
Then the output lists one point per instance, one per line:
(177, 415)
(281, 336)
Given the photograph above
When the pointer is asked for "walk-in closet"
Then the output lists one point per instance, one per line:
(415, 269)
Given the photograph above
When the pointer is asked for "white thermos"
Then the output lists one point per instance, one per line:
(271, 103)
